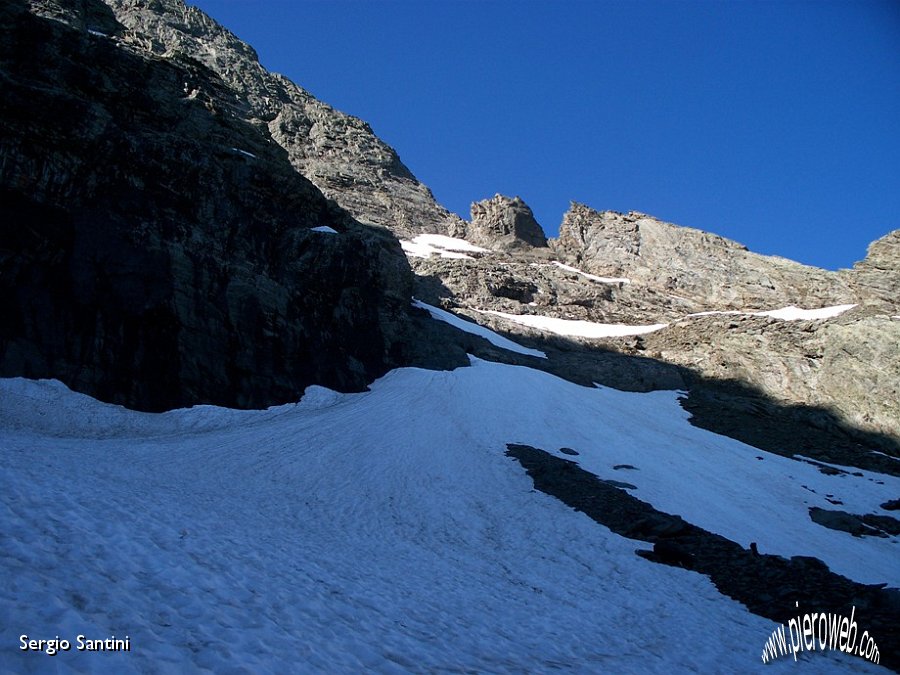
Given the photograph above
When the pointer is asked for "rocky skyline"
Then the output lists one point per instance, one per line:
(771, 125)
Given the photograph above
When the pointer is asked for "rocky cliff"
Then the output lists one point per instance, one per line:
(158, 248)
(337, 152)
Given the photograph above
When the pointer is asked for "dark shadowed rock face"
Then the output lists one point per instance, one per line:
(156, 246)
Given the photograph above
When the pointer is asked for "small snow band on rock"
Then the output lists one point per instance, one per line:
(481, 331)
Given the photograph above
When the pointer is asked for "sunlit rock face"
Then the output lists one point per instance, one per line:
(876, 278)
(793, 333)
(708, 271)
(505, 223)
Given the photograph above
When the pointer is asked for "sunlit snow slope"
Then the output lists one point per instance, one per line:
(387, 532)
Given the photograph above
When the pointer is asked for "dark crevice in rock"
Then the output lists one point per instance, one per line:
(768, 585)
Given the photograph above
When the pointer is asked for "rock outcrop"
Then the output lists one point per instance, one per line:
(637, 270)
(504, 224)
(703, 270)
(337, 152)
(158, 248)
(876, 278)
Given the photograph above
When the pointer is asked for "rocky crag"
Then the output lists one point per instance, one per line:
(504, 224)
(697, 270)
(158, 248)
(338, 153)
(710, 299)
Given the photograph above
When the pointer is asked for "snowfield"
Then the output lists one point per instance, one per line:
(592, 329)
(576, 328)
(792, 313)
(387, 532)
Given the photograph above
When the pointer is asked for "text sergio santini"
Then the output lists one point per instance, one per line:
(82, 644)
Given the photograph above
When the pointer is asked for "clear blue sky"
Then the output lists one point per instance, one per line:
(773, 123)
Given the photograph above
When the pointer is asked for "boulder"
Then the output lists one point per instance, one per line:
(504, 224)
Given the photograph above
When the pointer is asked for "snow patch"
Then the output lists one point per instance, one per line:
(573, 328)
(425, 245)
(324, 228)
(244, 152)
(593, 277)
(475, 329)
(884, 454)
(789, 313)
(722, 312)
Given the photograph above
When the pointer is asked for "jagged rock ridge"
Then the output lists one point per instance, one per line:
(705, 271)
(337, 152)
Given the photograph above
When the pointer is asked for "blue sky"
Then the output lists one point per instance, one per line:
(773, 123)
